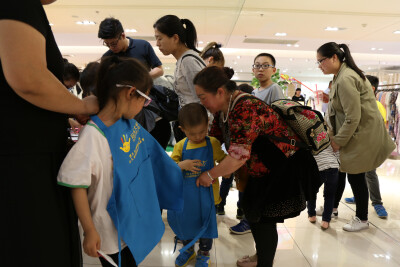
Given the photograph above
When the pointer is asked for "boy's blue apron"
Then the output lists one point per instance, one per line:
(140, 186)
(198, 218)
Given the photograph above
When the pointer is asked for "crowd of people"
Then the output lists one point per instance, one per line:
(117, 177)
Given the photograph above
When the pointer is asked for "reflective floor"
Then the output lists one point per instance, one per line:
(304, 244)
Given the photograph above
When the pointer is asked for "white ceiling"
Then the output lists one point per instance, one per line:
(368, 24)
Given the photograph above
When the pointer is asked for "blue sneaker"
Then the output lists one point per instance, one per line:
(202, 260)
(350, 200)
(241, 228)
(381, 211)
(184, 258)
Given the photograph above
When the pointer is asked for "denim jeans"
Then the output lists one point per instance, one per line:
(329, 178)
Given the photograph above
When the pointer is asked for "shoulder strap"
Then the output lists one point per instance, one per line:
(196, 57)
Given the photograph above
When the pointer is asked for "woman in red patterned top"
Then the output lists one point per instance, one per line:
(274, 190)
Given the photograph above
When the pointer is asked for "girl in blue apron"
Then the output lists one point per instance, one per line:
(116, 171)
(196, 154)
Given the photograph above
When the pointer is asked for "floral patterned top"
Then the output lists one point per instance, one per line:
(248, 119)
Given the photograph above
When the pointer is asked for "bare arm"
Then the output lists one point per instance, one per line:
(91, 242)
(26, 71)
(227, 166)
(156, 72)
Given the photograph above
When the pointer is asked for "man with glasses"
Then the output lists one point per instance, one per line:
(113, 36)
(263, 69)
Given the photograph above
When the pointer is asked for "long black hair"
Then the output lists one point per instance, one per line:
(332, 48)
(184, 28)
(115, 70)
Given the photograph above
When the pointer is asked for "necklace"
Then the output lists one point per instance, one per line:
(229, 107)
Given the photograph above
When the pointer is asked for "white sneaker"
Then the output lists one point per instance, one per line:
(355, 225)
(320, 210)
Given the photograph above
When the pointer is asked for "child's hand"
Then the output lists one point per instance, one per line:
(190, 165)
(91, 243)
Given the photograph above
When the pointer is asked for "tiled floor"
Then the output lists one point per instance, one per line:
(304, 244)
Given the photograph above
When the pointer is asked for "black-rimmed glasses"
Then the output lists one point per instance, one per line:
(114, 43)
(262, 66)
(319, 62)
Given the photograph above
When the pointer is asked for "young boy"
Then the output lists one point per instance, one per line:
(263, 69)
(195, 154)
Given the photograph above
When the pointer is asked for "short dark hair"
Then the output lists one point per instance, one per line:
(266, 55)
(110, 28)
(88, 78)
(373, 80)
(192, 115)
(244, 87)
(70, 71)
(298, 89)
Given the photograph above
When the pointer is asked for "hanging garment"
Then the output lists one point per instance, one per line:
(198, 218)
(140, 187)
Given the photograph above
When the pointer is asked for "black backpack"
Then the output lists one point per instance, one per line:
(167, 102)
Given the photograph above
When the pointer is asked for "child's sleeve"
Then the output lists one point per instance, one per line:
(177, 152)
(75, 171)
(219, 154)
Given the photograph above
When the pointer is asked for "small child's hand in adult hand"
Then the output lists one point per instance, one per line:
(204, 180)
(192, 165)
(91, 243)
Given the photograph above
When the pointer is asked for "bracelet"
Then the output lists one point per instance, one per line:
(209, 175)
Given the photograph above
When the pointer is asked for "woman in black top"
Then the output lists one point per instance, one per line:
(38, 225)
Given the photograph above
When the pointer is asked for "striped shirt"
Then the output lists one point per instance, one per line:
(327, 159)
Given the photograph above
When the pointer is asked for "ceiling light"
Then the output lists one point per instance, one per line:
(296, 45)
(291, 59)
(51, 24)
(130, 30)
(234, 62)
(380, 49)
(334, 29)
(397, 32)
(331, 28)
(238, 57)
(201, 42)
(373, 48)
(289, 45)
(280, 34)
(307, 60)
(86, 22)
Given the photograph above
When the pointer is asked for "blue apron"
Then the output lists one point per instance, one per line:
(198, 218)
(140, 186)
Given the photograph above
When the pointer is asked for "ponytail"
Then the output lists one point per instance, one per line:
(350, 61)
(213, 50)
(184, 28)
(342, 51)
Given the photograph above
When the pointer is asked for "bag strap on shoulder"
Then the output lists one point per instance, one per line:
(196, 57)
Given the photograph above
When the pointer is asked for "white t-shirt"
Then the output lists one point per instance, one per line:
(89, 165)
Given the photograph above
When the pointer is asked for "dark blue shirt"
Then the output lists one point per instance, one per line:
(141, 50)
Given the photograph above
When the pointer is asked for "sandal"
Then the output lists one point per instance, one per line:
(324, 225)
(312, 219)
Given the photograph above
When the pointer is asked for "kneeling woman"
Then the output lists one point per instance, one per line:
(277, 170)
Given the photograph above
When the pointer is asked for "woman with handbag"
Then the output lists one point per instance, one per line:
(243, 122)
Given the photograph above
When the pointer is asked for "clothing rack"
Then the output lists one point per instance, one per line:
(392, 87)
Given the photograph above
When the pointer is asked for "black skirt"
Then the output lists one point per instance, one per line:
(283, 192)
(38, 223)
